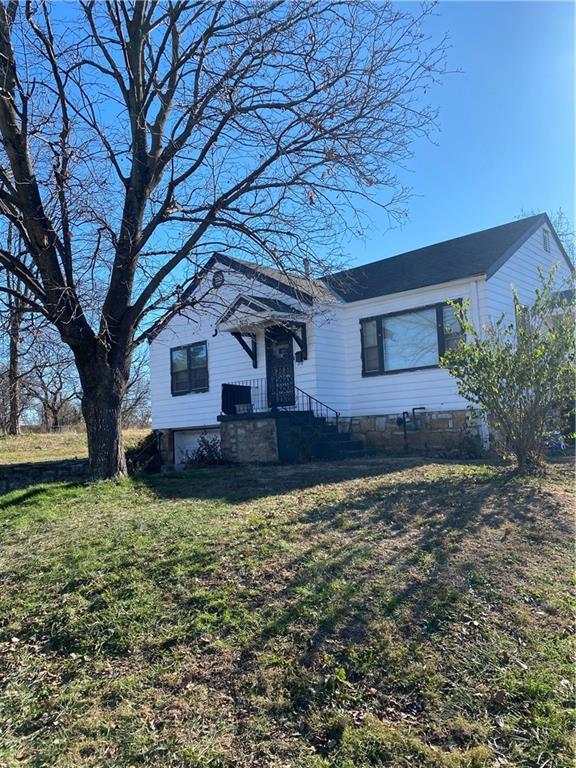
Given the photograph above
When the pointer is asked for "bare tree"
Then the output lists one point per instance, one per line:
(8, 412)
(16, 309)
(14, 315)
(41, 367)
(51, 381)
(565, 230)
(139, 137)
(136, 404)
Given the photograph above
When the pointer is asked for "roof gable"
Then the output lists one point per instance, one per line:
(289, 285)
(257, 305)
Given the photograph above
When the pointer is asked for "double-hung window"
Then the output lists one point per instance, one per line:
(451, 334)
(405, 341)
(189, 368)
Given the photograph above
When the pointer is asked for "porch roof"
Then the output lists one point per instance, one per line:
(249, 313)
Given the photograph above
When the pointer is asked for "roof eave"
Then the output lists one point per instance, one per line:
(465, 279)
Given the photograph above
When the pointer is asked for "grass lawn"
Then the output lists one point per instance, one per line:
(370, 614)
(32, 446)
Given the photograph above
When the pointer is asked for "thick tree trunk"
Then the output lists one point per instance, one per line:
(103, 392)
(103, 418)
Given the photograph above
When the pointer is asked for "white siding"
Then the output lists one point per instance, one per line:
(227, 361)
(329, 356)
(433, 389)
(521, 271)
(333, 371)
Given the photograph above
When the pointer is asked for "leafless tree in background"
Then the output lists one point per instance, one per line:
(136, 411)
(139, 137)
(51, 381)
(16, 308)
(16, 320)
(11, 411)
(44, 373)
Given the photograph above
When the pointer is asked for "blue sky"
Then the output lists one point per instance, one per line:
(506, 138)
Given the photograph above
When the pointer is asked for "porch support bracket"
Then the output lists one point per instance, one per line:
(250, 349)
(301, 340)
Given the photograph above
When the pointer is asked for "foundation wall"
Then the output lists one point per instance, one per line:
(437, 431)
(249, 440)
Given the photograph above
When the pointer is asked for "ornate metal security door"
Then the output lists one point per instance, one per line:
(279, 368)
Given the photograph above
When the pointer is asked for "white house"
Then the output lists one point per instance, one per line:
(266, 356)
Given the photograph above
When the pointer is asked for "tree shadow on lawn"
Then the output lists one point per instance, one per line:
(240, 483)
(18, 504)
(412, 558)
(445, 516)
(338, 610)
(432, 534)
(21, 496)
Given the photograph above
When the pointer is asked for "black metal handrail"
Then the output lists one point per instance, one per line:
(317, 407)
(257, 401)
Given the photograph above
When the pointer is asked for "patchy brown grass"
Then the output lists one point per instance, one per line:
(54, 446)
(384, 613)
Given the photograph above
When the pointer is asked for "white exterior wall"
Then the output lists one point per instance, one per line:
(330, 359)
(521, 271)
(333, 371)
(432, 388)
(227, 361)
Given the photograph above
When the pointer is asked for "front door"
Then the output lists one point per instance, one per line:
(279, 367)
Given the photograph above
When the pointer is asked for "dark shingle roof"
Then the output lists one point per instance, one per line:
(480, 253)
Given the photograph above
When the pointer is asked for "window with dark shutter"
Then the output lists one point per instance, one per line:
(452, 331)
(189, 368)
(408, 341)
(370, 350)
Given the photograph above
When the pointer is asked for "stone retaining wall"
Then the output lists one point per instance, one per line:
(16, 476)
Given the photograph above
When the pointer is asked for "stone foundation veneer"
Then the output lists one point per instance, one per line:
(249, 440)
(166, 445)
(439, 430)
(265, 438)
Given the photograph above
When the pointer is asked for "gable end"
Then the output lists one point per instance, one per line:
(248, 271)
(543, 219)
